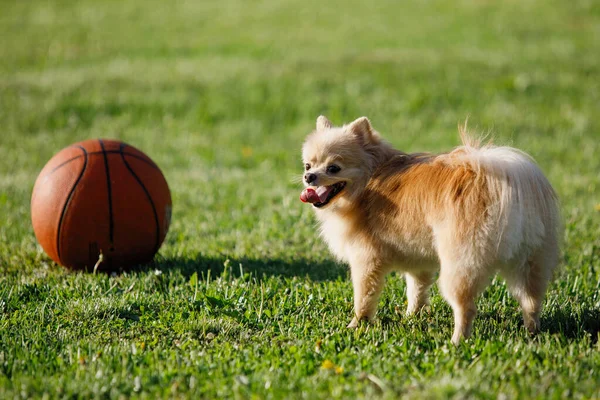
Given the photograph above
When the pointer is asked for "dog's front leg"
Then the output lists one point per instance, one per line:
(367, 279)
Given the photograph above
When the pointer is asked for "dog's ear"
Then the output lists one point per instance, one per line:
(323, 123)
(362, 129)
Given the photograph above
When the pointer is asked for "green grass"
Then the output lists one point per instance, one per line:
(244, 299)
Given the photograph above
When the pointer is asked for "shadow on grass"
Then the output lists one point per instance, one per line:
(560, 321)
(259, 268)
(573, 325)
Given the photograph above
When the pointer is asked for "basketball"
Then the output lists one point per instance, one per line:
(101, 204)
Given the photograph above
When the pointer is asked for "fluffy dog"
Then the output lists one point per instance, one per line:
(468, 214)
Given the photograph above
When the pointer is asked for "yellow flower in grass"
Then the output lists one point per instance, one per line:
(329, 365)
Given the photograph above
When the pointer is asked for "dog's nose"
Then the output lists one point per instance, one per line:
(310, 177)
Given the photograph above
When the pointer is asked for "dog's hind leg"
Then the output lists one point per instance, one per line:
(417, 290)
(460, 286)
(529, 282)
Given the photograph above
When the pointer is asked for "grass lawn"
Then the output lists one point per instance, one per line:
(244, 300)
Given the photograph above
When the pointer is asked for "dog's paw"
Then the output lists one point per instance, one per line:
(416, 310)
(532, 325)
(456, 339)
(357, 321)
(354, 323)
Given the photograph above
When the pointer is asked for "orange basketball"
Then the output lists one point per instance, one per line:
(101, 197)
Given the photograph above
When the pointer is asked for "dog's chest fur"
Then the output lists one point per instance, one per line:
(377, 234)
(338, 234)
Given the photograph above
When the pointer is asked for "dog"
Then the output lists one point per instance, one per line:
(467, 214)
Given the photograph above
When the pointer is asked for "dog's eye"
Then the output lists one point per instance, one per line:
(307, 166)
(332, 169)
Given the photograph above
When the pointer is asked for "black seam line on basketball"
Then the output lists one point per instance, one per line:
(62, 165)
(95, 153)
(58, 167)
(149, 162)
(68, 202)
(111, 225)
(137, 178)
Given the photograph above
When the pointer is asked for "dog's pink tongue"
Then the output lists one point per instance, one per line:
(310, 195)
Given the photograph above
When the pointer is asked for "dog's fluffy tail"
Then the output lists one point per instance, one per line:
(523, 204)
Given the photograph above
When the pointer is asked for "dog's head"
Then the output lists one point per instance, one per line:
(338, 162)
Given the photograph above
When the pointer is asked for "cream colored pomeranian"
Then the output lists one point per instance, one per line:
(468, 214)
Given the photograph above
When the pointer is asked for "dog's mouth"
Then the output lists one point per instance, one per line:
(320, 196)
